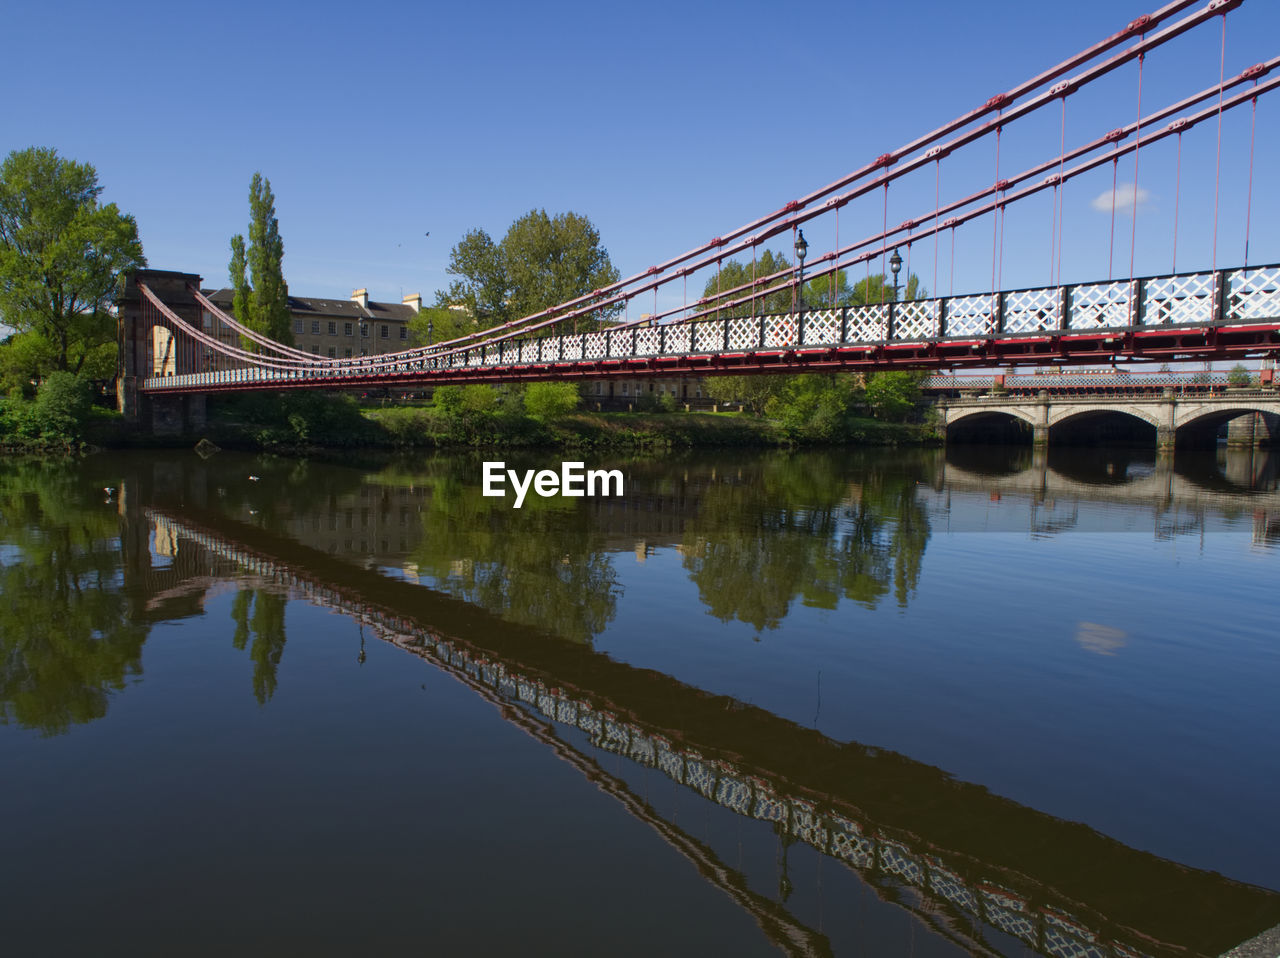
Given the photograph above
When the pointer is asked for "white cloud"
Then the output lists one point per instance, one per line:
(1123, 199)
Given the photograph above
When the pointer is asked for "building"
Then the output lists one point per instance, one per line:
(342, 328)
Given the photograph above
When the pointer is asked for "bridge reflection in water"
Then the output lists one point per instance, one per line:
(984, 872)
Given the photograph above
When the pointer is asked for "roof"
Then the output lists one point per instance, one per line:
(337, 308)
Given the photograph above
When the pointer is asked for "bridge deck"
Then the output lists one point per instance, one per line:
(1186, 316)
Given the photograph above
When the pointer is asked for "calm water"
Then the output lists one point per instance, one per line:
(882, 703)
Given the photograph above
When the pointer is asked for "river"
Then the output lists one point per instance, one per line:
(915, 702)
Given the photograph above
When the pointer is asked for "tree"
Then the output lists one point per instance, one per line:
(892, 394)
(440, 324)
(61, 253)
(1239, 375)
(261, 297)
(550, 401)
(754, 392)
(541, 262)
(877, 288)
(773, 297)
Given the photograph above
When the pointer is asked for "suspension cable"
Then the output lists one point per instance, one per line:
(1137, 143)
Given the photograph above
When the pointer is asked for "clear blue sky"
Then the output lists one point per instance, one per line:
(665, 123)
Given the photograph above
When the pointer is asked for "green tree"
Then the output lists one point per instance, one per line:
(772, 297)
(814, 406)
(1239, 375)
(549, 401)
(257, 272)
(483, 287)
(877, 288)
(62, 407)
(755, 392)
(541, 262)
(61, 252)
(440, 324)
(892, 394)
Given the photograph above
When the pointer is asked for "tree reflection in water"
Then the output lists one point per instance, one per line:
(784, 527)
(66, 636)
(754, 537)
(542, 565)
(260, 613)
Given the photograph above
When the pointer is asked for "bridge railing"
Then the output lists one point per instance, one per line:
(1198, 299)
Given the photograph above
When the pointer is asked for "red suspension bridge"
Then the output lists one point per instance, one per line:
(174, 340)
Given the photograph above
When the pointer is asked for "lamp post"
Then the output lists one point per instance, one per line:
(431, 328)
(895, 264)
(802, 248)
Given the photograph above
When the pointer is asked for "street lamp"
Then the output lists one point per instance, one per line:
(895, 264)
(431, 328)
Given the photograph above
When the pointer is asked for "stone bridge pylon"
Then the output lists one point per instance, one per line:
(146, 350)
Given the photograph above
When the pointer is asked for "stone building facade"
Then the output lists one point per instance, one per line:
(343, 328)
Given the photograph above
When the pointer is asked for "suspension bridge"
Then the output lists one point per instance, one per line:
(175, 343)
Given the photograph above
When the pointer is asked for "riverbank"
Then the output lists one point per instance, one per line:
(348, 426)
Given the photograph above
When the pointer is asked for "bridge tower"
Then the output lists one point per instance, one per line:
(146, 349)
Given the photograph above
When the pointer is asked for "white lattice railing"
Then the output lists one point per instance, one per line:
(1247, 295)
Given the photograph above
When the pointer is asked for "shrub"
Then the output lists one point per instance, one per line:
(550, 401)
(62, 408)
(479, 398)
(447, 398)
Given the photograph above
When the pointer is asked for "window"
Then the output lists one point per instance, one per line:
(333, 352)
(624, 389)
(364, 350)
(346, 353)
(315, 327)
(404, 332)
(299, 326)
(385, 331)
(346, 330)
(208, 319)
(333, 329)
(315, 350)
(364, 329)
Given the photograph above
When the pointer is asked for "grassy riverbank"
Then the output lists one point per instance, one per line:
(430, 428)
(299, 421)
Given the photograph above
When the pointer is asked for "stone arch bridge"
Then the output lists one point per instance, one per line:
(1178, 419)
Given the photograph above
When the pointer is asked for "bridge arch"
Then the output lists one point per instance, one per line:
(1199, 425)
(1103, 423)
(994, 423)
(1226, 410)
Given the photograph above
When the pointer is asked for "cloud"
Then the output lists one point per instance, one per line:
(1124, 199)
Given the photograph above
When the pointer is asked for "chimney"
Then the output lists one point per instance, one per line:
(360, 296)
(415, 301)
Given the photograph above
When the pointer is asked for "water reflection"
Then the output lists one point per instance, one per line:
(69, 634)
(977, 869)
(87, 572)
(260, 613)
(83, 576)
(820, 529)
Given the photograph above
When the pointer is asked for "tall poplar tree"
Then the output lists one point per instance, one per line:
(257, 273)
